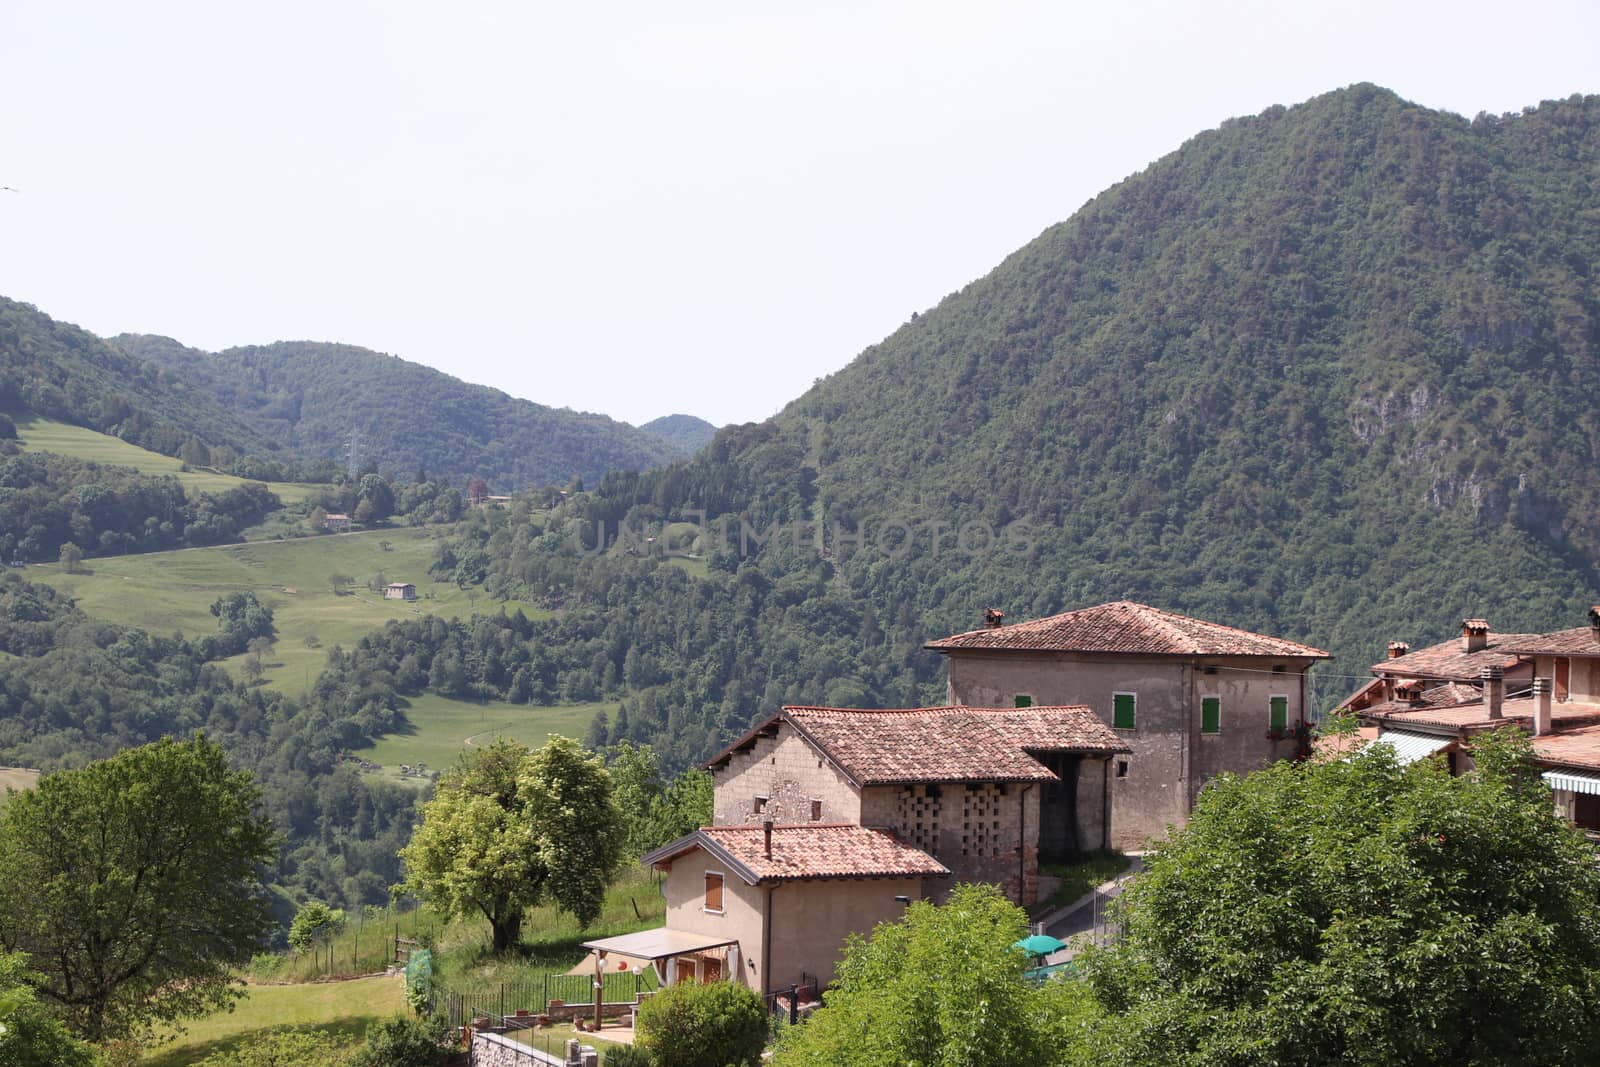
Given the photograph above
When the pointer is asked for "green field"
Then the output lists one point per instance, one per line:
(173, 591)
(443, 726)
(345, 1008)
(45, 435)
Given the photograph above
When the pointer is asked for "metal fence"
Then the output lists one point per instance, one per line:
(503, 1000)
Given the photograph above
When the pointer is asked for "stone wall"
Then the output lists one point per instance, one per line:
(975, 830)
(789, 776)
(494, 1050)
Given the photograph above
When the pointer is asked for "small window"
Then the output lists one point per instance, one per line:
(1210, 715)
(759, 805)
(1122, 768)
(1122, 710)
(713, 891)
(1280, 715)
(816, 810)
(1586, 811)
(1024, 700)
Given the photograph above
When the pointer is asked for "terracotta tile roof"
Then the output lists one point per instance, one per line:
(1475, 715)
(1130, 628)
(1331, 747)
(1449, 661)
(806, 851)
(1575, 747)
(951, 744)
(1579, 641)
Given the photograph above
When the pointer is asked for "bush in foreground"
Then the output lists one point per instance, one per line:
(719, 1024)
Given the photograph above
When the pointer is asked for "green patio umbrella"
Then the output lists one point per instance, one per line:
(1040, 945)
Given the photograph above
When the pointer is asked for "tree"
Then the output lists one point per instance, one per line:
(942, 986)
(717, 1024)
(508, 829)
(71, 557)
(133, 885)
(29, 1037)
(312, 918)
(340, 582)
(242, 617)
(1359, 911)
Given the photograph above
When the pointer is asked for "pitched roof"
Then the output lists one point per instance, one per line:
(945, 744)
(1448, 660)
(1579, 641)
(1126, 627)
(804, 852)
(1576, 747)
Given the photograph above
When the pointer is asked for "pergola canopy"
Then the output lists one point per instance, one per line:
(659, 944)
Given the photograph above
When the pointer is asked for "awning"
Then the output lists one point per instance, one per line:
(1412, 747)
(657, 944)
(1574, 782)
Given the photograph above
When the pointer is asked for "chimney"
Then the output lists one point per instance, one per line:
(1494, 690)
(992, 618)
(1388, 689)
(1398, 649)
(766, 834)
(1594, 623)
(1542, 723)
(1474, 634)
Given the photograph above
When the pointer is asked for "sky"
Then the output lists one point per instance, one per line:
(641, 208)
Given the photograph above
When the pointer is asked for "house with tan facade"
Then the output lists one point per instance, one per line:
(1189, 699)
(828, 821)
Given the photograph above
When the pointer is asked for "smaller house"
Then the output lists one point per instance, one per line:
(336, 523)
(399, 591)
(769, 906)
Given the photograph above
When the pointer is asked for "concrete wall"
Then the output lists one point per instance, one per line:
(1171, 759)
(974, 830)
(811, 919)
(790, 774)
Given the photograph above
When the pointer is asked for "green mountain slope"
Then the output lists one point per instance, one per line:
(686, 433)
(313, 397)
(59, 371)
(1328, 372)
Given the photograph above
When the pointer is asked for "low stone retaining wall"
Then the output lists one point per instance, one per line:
(495, 1050)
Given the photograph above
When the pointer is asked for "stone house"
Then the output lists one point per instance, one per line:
(400, 591)
(828, 821)
(1443, 674)
(1188, 698)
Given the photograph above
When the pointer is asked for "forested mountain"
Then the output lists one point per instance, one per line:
(322, 399)
(686, 433)
(1328, 372)
(59, 371)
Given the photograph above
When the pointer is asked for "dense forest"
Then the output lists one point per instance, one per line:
(56, 370)
(686, 433)
(1327, 372)
(359, 406)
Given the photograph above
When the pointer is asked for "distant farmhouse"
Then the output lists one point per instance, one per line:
(1434, 702)
(1063, 735)
(336, 523)
(399, 591)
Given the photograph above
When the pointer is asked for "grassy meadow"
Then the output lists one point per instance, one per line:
(17, 778)
(343, 1008)
(46, 435)
(441, 726)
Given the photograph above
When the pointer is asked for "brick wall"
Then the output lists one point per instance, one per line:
(975, 830)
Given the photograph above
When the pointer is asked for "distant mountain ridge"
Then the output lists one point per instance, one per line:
(687, 433)
(337, 401)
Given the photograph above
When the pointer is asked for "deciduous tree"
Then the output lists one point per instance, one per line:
(508, 829)
(1361, 912)
(133, 885)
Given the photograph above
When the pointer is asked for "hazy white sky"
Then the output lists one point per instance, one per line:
(640, 208)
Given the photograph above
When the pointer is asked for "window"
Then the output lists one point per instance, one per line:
(1280, 715)
(1586, 811)
(1210, 715)
(713, 892)
(1122, 708)
(1024, 700)
(759, 805)
(1122, 768)
(816, 810)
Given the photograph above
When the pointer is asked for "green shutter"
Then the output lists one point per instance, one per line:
(1280, 714)
(1122, 711)
(1210, 715)
(1024, 701)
